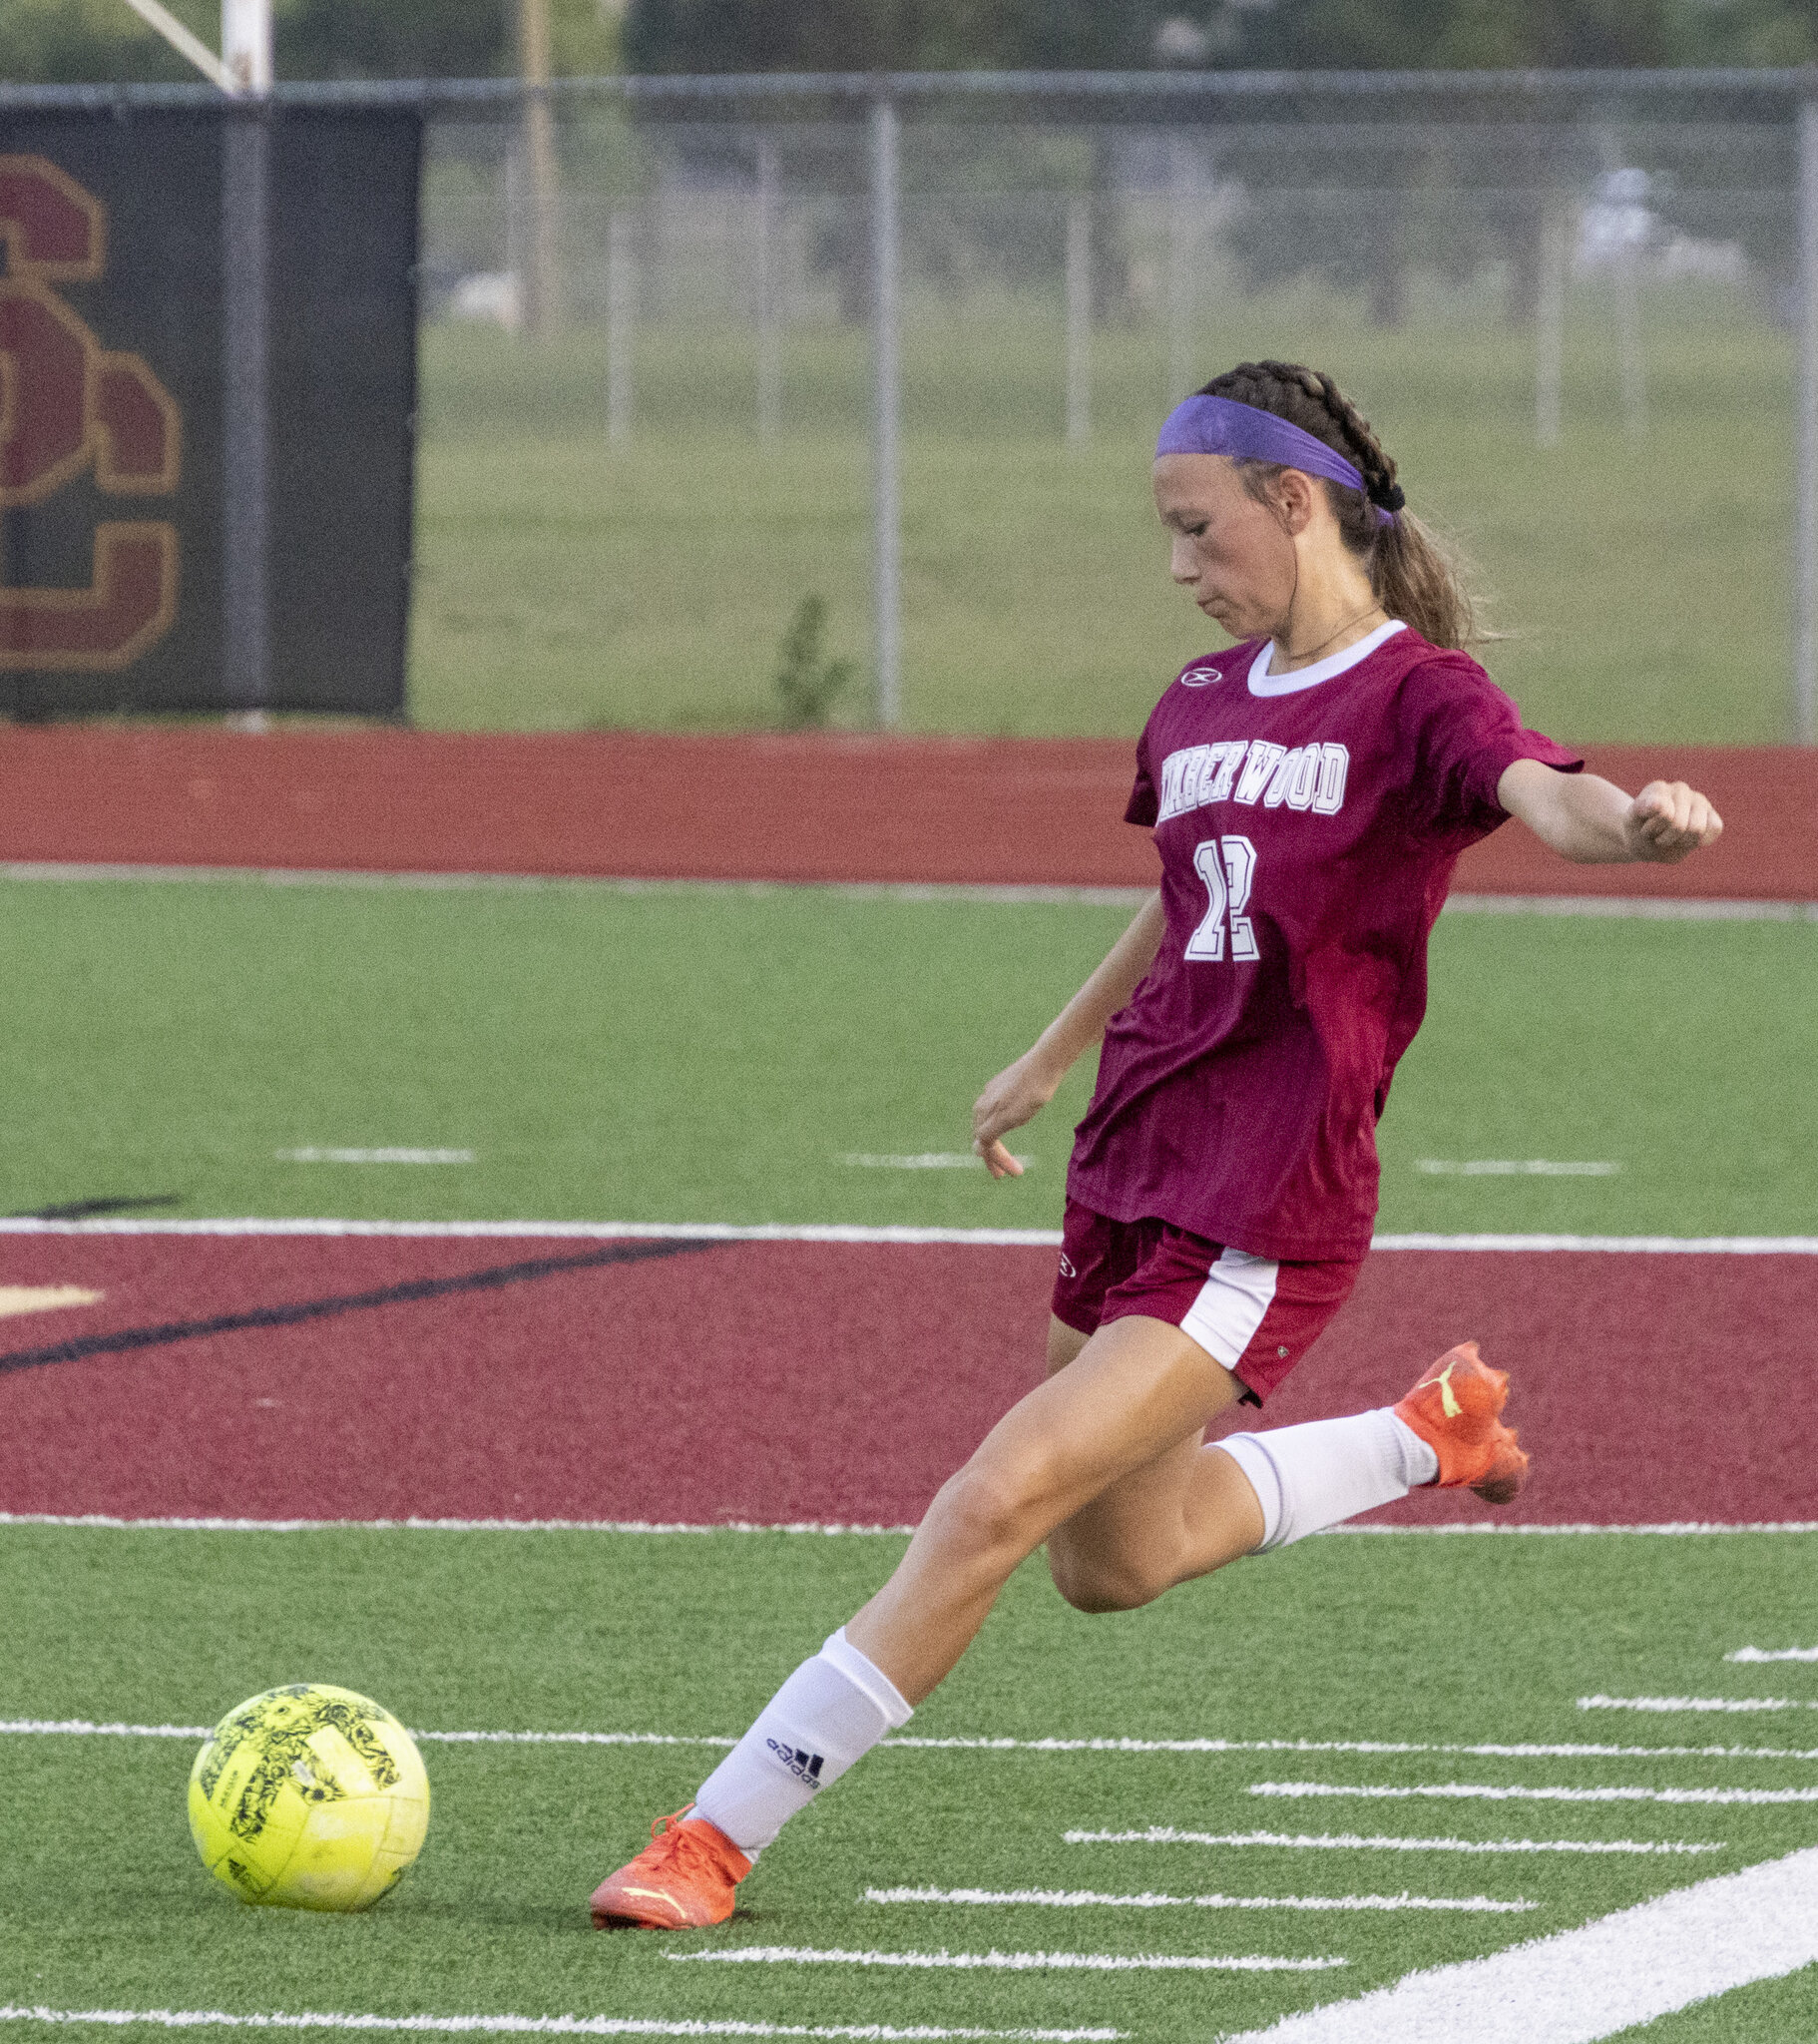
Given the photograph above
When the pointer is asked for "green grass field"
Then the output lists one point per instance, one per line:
(703, 1054)
(686, 1053)
(564, 583)
(1341, 1639)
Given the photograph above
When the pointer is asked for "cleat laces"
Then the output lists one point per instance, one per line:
(688, 1852)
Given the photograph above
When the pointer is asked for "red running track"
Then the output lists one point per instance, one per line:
(682, 807)
(1649, 1387)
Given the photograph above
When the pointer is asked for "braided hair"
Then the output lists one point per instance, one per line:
(1412, 579)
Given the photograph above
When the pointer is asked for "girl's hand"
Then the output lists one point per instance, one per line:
(1667, 819)
(1018, 1094)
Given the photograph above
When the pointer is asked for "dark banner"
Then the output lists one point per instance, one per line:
(138, 439)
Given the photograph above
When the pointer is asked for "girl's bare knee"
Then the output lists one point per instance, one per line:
(1095, 1585)
(990, 1510)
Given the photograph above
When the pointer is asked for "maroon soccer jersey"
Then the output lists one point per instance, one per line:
(1308, 825)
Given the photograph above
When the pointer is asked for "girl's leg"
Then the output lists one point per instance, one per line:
(1138, 1388)
(1135, 1390)
(1188, 1512)
(1106, 1461)
(1195, 1508)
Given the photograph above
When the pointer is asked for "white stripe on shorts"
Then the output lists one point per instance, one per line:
(1239, 1289)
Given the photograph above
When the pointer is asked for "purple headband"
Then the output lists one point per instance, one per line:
(1223, 425)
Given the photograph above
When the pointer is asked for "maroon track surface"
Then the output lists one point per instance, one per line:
(1649, 1387)
(828, 808)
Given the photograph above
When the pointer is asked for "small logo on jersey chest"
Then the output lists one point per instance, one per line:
(1201, 675)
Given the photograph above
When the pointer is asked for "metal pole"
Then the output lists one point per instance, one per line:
(1549, 325)
(1622, 202)
(769, 337)
(247, 44)
(245, 230)
(538, 285)
(1179, 268)
(1628, 326)
(886, 415)
(1805, 567)
(620, 322)
(1079, 321)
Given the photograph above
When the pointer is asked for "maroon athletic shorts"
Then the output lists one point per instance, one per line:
(1255, 1317)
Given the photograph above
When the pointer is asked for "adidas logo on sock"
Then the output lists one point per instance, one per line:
(803, 1763)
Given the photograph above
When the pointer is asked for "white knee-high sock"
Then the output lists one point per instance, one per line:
(1307, 1478)
(829, 1714)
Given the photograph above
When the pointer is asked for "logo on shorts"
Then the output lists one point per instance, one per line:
(1066, 1269)
(803, 1763)
(1201, 676)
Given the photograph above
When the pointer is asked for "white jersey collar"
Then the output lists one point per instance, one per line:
(1262, 683)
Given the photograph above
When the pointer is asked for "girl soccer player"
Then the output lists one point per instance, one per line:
(1310, 789)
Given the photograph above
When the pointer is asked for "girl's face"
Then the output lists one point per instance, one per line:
(1235, 557)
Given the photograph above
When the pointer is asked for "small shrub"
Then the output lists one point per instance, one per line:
(809, 684)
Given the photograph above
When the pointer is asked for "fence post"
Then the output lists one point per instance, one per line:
(1617, 197)
(886, 414)
(767, 258)
(246, 436)
(1182, 178)
(1550, 324)
(1805, 567)
(621, 314)
(1079, 321)
(538, 282)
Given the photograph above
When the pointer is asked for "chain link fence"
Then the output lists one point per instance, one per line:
(898, 348)
(758, 402)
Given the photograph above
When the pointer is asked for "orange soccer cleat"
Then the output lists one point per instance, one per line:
(1456, 1409)
(684, 1878)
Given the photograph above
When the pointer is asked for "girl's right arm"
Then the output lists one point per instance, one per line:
(1022, 1090)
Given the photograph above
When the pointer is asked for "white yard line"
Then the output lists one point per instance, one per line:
(1608, 1244)
(82, 1728)
(532, 2026)
(1773, 1653)
(839, 1231)
(1672, 1528)
(1487, 1792)
(1672, 1706)
(1087, 1898)
(1483, 1748)
(88, 1728)
(109, 1522)
(1010, 894)
(380, 1156)
(1648, 908)
(550, 1230)
(1510, 1166)
(1352, 1841)
(995, 894)
(1601, 1979)
(920, 1160)
(1006, 1962)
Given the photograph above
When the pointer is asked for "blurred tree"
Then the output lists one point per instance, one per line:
(78, 41)
(1745, 31)
(1464, 35)
(889, 35)
(75, 41)
(1317, 35)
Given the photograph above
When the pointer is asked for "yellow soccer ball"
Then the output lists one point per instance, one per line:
(310, 1798)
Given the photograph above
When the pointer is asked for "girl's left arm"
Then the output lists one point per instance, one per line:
(1590, 819)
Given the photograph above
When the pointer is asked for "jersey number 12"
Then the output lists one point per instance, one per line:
(1227, 865)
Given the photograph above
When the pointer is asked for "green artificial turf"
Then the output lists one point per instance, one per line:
(562, 581)
(699, 1054)
(1395, 1638)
